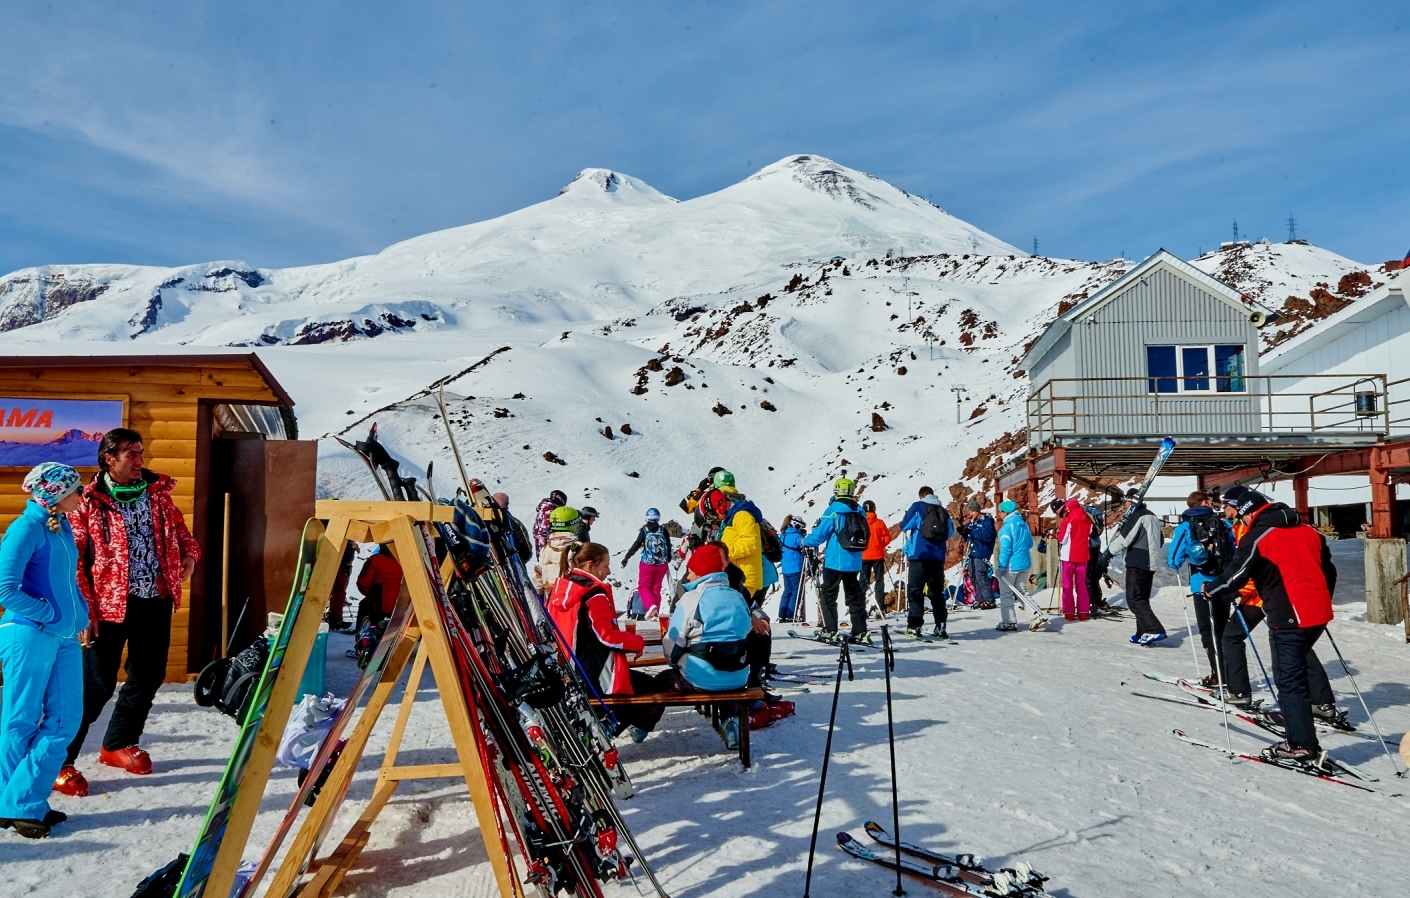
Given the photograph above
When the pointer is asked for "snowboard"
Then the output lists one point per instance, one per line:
(198, 867)
(391, 636)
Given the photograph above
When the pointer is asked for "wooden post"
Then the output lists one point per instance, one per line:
(1385, 572)
(225, 582)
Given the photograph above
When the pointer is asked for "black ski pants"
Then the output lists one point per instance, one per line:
(851, 585)
(874, 577)
(1212, 615)
(759, 649)
(146, 633)
(1293, 661)
(924, 577)
(1094, 583)
(1138, 599)
(1234, 647)
(642, 716)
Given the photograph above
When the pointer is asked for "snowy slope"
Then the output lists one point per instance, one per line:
(1301, 282)
(1013, 746)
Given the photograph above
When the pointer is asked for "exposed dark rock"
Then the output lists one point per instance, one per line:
(721, 409)
(878, 423)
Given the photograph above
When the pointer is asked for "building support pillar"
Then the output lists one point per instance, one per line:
(1299, 486)
(1382, 495)
(1035, 511)
(1060, 473)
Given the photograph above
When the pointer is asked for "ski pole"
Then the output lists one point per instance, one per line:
(888, 663)
(842, 659)
(1219, 679)
(1248, 638)
(1185, 606)
(1362, 699)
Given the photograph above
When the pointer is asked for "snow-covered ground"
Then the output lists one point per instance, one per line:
(1012, 746)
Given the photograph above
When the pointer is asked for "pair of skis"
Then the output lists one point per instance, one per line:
(960, 874)
(1326, 769)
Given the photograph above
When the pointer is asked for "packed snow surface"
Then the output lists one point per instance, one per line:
(1012, 746)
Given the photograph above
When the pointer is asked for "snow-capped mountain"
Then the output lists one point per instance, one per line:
(808, 321)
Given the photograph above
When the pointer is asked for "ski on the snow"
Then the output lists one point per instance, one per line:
(821, 640)
(1305, 769)
(1022, 873)
(946, 876)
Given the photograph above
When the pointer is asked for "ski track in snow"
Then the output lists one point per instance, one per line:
(1087, 784)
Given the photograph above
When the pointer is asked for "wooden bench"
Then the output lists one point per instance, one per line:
(645, 660)
(707, 703)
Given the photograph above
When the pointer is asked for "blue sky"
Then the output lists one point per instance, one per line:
(292, 133)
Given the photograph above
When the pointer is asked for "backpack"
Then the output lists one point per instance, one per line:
(853, 534)
(935, 524)
(769, 539)
(1211, 540)
(654, 546)
(227, 684)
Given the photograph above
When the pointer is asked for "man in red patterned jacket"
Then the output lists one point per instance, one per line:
(134, 552)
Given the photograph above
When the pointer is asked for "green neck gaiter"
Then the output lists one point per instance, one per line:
(125, 493)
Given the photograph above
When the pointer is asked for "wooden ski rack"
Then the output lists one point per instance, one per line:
(392, 524)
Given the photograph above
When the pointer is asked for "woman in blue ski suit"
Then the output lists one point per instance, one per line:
(791, 537)
(45, 616)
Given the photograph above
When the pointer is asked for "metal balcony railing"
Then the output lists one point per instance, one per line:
(1217, 405)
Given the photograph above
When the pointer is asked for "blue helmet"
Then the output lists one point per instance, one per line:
(653, 515)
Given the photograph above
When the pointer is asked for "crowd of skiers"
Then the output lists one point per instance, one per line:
(87, 574)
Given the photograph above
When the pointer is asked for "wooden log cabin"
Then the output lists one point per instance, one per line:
(220, 424)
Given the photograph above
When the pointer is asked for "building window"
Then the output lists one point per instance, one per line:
(1195, 369)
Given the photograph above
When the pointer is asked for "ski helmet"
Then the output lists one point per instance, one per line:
(653, 515)
(588, 511)
(714, 505)
(724, 480)
(869, 506)
(558, 498)
(563, 520)
(844, 488)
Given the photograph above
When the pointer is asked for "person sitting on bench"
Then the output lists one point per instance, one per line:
(582, 606)
(707, 639)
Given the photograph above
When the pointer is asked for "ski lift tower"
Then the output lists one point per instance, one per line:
(959, 396)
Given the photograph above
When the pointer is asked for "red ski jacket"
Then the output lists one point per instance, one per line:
(586, 614)
(380, 580)
(1075, 531)
(101, 538)
(1290, 565)
(880, 538)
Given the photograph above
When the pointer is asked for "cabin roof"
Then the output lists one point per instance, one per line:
(169, 360)
(1380, 302)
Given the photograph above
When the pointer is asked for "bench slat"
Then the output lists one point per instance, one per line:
(674, 699)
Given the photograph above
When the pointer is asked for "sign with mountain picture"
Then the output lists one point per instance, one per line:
(40, 429)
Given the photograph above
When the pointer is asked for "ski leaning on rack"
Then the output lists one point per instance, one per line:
(198, 867)
(1304, 769)
(1021, 873)
(324, 757)
(947, 877)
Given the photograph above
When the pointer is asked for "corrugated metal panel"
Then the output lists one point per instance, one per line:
(1161, 309)
(1380, 346)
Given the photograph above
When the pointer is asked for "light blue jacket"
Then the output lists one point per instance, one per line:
(1181, 542)
(792, 551)
(1015, 543)
(709, 612)
(39, 575)
(835, 558)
